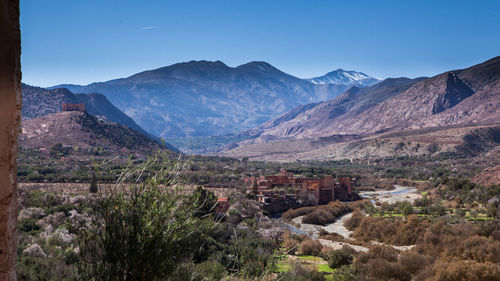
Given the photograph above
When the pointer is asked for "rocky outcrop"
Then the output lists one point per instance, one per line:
(10, 115)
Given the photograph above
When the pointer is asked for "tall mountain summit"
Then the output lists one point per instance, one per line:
(345, 77)
(207, 98)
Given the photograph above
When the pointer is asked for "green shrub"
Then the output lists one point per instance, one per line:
(211, 270)
(28, 226)
(338, 258)
(141, 231)
(93, 184)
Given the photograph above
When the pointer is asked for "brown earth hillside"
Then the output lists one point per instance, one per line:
(462, 141)
(460, 97)
(83, 132)
(488, 177)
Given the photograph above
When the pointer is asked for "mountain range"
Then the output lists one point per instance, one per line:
(205, 98)
(466, 97)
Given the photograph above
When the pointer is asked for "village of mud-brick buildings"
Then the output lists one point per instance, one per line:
(284, 191)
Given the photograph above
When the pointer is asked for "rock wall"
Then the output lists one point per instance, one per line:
(10, 115)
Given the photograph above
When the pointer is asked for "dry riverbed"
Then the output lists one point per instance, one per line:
(399, 193)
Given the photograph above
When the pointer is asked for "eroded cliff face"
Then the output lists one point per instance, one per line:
(10, 115)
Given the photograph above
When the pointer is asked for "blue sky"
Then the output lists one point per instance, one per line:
(71, 41)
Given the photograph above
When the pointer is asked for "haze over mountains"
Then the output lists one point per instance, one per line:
(204, 98)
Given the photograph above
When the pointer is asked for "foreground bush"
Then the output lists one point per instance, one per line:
(299, 273)
(141, 231)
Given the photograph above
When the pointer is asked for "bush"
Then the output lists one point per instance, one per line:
(93, 184)
(311, 247)
(354, 221)
(345, 273)
(211, 270)
(140, 231)
(338, 258)
(466, 271)
(291, 242)
(299, 273)
(393, 231)
(326, 214)
(28, 225)
(293, 213)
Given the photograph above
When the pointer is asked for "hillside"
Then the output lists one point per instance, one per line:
(460, 97)
(452, 142)
(205, 98)
(311, 119)
(38, 102)
(488, 177)
(83, 133)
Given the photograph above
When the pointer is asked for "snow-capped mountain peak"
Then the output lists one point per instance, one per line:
(345, 77)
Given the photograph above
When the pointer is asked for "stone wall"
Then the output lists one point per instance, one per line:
(10, 116)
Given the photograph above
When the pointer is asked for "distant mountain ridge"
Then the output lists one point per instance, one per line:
(463, 97)
(309, 119)
(345, 77)
(207, 98)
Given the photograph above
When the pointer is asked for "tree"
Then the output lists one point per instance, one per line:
(205, 200)
(93, 184)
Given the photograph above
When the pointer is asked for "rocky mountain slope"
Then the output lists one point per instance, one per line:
(204, 98)
(39, 102)
(311, 118)
(488, 177)
(481, 141)
(460, 97)
(345, 77)
(83, 133)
